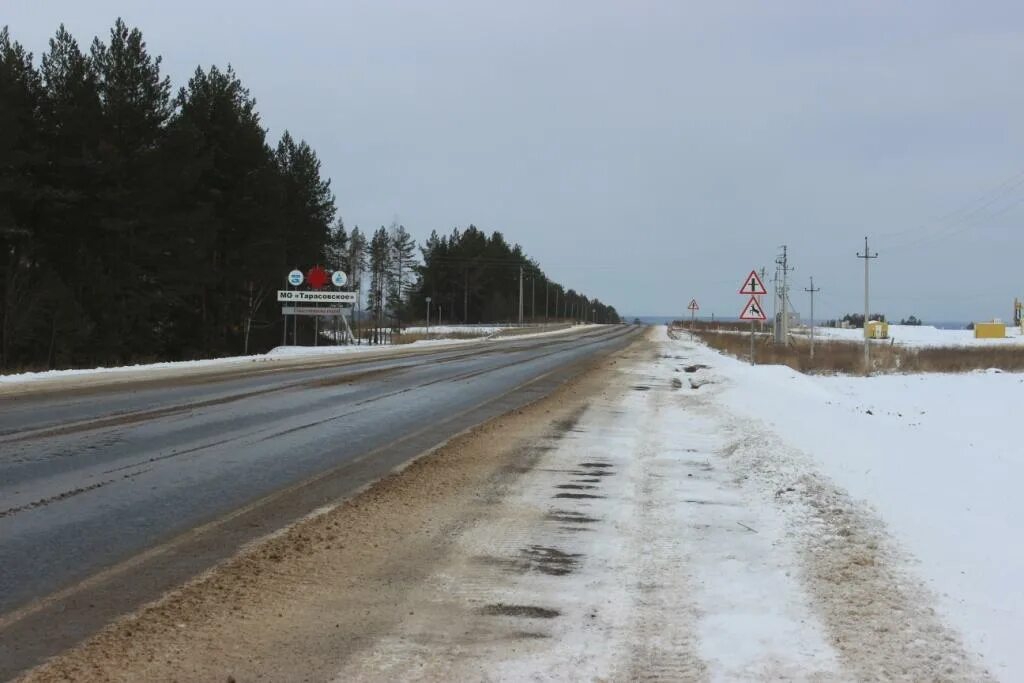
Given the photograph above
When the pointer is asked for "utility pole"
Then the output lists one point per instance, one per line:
(465, 297)
(547, 295)
(428, 316)
(784, 269)
(520, 296)
(812, 290)
(760, 298)
(284, 340)
(533, 298)
(867, 256)
(775, 304)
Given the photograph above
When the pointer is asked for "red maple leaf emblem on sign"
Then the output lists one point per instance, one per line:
(317, 277)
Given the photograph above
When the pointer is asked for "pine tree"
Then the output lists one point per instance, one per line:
(223, 246)
(403, 249)
(70, 214)
(357, 268)
(20, 147)
(337, 248)
(308, 201)
(135, 105)
(380, 278)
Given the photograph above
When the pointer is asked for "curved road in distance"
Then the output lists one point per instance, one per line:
(111, 496)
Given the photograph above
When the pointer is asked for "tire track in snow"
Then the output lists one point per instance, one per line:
(664, 616)
(749, 616)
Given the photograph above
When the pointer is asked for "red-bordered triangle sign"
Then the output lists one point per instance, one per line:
(753, 285)
(753, 311)
(694, 306)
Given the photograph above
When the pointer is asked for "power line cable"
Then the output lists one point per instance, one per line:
(952, 222)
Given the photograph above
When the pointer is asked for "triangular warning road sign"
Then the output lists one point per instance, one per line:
(694, 306)
(753, 285)
(752, 311)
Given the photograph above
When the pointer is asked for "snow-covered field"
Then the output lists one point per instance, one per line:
(938, 458)
(923, 335)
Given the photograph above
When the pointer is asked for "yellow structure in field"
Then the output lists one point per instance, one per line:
(876, 329)
(992, 330)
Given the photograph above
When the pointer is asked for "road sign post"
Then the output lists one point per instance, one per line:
(753, 287)
(694, 307)
(752, 312)
(316, 302)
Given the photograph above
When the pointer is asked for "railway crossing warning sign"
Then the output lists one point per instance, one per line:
(753, 311)
(753, 286)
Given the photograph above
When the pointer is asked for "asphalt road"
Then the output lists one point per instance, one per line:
(110, 496)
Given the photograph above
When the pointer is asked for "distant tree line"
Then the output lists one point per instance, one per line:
(474, 277)
(854, 320)
(139, 224)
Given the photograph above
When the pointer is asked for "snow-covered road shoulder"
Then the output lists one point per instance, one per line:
(937, 457)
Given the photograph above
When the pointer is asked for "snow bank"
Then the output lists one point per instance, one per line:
(481, 330)
(126, 369)
(278, 354)
(321, 351)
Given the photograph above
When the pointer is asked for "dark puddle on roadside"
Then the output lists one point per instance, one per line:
(578, 473)
(571, 517)
(551, 561)
(536, 558)
(529, 635)
(694, 501)
(500, 609)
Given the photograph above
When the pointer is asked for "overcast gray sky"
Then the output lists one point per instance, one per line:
(647, 152)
